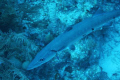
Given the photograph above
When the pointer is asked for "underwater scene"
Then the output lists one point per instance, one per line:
(59, 39)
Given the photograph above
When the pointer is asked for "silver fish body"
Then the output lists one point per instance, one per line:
(77, 32)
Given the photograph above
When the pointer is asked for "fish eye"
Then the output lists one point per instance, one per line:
(42, 59)
(92, 29)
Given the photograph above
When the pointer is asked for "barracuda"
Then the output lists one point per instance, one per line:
(76, 32)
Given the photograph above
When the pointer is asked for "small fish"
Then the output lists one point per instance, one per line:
(76, 32)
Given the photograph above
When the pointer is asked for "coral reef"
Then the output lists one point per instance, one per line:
(26, 26)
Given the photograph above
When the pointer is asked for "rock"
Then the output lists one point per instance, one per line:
(16, 62)
(25, 64)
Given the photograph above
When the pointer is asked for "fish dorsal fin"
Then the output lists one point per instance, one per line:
(69, 28)
(54, 51)
(99, 11)
(56, 54)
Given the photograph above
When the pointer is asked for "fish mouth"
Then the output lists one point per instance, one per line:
(29, 67)
(33, 65)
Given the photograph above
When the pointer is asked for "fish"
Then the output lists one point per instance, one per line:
(74, 33)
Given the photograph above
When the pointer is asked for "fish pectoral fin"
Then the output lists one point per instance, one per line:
(56, 53)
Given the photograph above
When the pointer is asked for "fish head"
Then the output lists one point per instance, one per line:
(41, 58)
